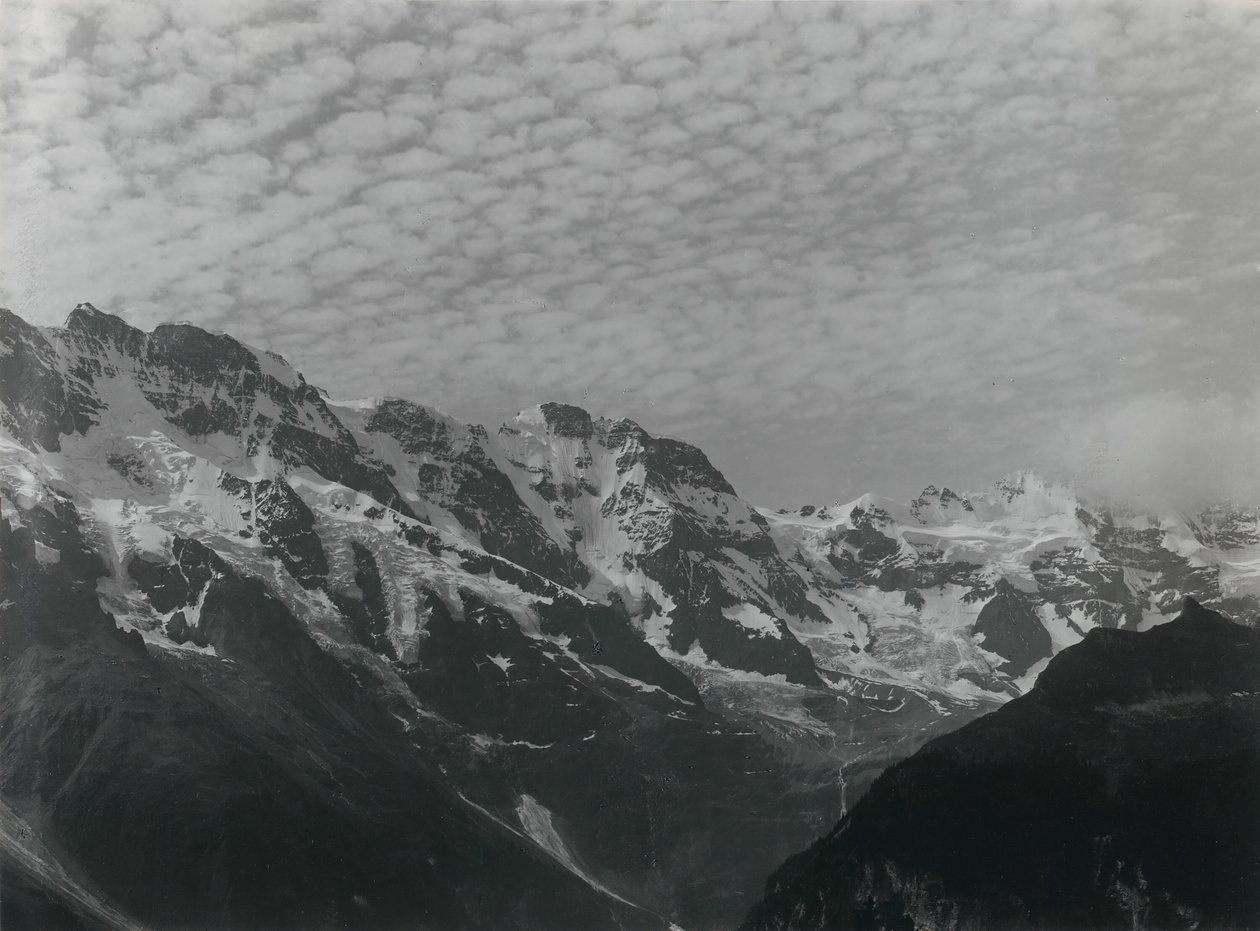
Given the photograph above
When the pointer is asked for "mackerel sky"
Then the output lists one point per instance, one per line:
(842, 247)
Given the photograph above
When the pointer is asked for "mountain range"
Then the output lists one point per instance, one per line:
(272, 659)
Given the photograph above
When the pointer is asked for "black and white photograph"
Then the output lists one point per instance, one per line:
(627, 466)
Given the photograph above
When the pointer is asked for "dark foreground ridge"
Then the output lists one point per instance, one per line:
(1121, 792)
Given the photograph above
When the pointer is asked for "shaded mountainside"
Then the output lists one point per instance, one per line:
(1120, 792)
(260, 786)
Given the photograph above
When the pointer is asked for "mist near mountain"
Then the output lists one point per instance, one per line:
(1142, 453)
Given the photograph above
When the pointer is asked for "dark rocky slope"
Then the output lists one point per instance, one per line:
(258, 779)
(273, 790)
(1121, 792)
(455, 472)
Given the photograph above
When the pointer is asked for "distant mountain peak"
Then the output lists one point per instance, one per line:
(567, 419)
(1024, 482)
(558, 419)
(89, 316)
(88, 321)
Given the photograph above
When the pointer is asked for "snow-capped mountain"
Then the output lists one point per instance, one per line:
(607, 509)
(978, 591)
(568, 640)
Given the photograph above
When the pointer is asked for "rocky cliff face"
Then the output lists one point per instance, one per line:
(450, 475)
(1118, 793)
(662, 531)
(609, 510)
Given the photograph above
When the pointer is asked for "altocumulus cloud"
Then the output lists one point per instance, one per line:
(905, 242)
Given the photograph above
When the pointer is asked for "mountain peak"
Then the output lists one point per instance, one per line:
(86, 320)
(87, 314)
(1191, 608)
(561, 419)
(1194, 613)
(1019, 482)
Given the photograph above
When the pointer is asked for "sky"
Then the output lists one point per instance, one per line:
(842, 247)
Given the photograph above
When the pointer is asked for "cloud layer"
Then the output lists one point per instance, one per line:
(842, 246)
(1165, 451)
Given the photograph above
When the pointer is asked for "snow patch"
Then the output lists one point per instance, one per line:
(637, 683)
(502, 662)
(751, 617)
